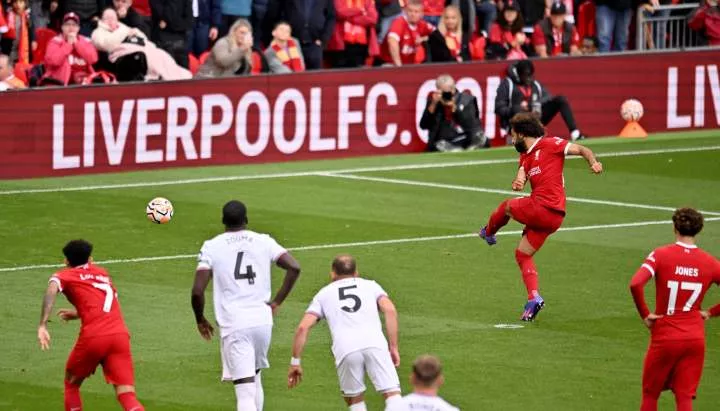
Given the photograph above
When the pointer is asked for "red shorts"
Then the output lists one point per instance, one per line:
(539, 220)
(673, 365)
(110, 351)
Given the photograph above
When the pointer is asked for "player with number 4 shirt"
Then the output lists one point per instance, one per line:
(104, 338)
(683, 273)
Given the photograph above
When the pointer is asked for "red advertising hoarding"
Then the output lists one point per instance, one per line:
(329, 114)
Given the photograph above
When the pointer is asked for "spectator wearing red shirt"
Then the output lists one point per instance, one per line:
(69, 56)
(554, 36)
(406, 35)
(448, 43)
(707, 20)
(354, 38)
(433, 11)
(504, 34)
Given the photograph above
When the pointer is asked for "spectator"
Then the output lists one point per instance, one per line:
(448, 43)
(612, 18)
(3, 22)
(519, 92)
(516, 51)
(8, 81)
(487, 11)
(656, 31)
(87, 10)
(19, 40)
(232, 11)
(388, 11)
(312, 21)
(433, 11)
(469, 18)
(40, 13)
(355, 37)
(504, 33)
(119, 41)
(257, 19)
(232, 54)
(284, 54)
(589, 46)
(554, 35)
(129, 16)
(207, 21)
(706, 19)
(172, 20)
(407, 34)
(70, 55)
(452, 118)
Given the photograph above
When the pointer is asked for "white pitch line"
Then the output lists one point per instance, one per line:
(359, 244)
(497, 191)
(344, 171)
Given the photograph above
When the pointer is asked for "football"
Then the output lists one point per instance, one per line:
(159, 210)
(631, 110)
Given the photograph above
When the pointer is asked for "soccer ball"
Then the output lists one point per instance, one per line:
(159, 210)
(631, 110)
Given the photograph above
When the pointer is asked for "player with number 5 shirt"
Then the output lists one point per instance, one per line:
(104, 338)
(683, 273)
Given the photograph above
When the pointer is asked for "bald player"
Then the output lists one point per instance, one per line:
(426, 379)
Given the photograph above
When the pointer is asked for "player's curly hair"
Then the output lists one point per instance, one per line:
(77, 252)
(688, 221)
(527, 125)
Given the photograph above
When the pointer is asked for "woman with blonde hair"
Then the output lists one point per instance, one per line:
(232, 54)
(449, 43)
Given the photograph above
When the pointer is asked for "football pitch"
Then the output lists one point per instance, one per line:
(409, 220)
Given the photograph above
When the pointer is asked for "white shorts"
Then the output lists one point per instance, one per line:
(379, 367)
(243, 352)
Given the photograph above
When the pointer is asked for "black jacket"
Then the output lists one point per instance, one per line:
(439, 51)
(136, 20)
(509, 97)
(466, 115)
(318, 25)
(177, 14)
(85, 9)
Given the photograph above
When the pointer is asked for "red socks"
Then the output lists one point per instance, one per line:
(498, 219)
(129, 402)
(72, 397)
(529, 273)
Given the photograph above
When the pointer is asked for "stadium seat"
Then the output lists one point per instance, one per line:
(586, 19)
(203, 57)
(194, 63)
(42, 36)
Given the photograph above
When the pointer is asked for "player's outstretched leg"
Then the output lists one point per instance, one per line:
(73, 402)
(524, 257)
(127, 398)
(499, 218)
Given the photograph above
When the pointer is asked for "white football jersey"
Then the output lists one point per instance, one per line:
(418, 402)
(241, 262)
(351, 310)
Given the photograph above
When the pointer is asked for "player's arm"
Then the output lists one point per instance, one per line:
(520, 179)
(197, 299)
(389, 311)
(637, 288)
(714, 311)
(295, 373)
(292, 272)
(48, 302)
(587, 154)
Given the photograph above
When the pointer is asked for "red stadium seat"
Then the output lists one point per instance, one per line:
(42, 37)
(194, 63)
(586, 20)
(203, 57)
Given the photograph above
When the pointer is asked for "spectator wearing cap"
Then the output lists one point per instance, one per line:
(8, 81)
(406, 36)
(129, 16)
(70, 55)
(706, 19)
(449, 44)
(355, 37)
(88, 11)
(312, 22)
(612, 18)
(207, 21)
(172, 20)
(506, 34)
(554, 36)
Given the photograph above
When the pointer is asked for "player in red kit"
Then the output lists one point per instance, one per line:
(541, 161)
(683, 273)
(104, 338)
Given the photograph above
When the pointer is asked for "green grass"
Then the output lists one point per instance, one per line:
(584, 353)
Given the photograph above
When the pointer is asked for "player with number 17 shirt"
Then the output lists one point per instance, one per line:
(683, 273)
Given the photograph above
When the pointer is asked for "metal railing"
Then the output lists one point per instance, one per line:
(666, 28)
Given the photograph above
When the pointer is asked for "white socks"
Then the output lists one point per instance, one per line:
(259, 392)
(358, 407)
(574, 134)
(245, 395)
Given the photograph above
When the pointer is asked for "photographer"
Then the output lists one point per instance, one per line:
(452, 119)
(519, 92)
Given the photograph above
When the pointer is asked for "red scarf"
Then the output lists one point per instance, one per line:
(453, 44)
(289, 55)
(355, 33)
(24, 40)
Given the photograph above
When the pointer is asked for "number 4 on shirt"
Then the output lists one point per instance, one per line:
(249, 273)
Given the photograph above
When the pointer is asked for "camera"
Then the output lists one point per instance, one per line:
(447, 95)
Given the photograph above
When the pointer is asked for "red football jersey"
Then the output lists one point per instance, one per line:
(538, 39)
(683, 274)
(543, 164)
(89, 288)
(406, 34)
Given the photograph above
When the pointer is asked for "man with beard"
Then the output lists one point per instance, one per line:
(541, 161)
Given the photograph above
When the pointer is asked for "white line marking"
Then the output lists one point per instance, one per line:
(343, 171)
(358, 244)
(497, 191)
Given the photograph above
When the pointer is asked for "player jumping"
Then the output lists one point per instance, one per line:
(104, 338)
(541, 161)
(239, 262)
(683, 273)
(351, 306)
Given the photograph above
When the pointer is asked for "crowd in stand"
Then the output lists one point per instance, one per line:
(62, 42)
